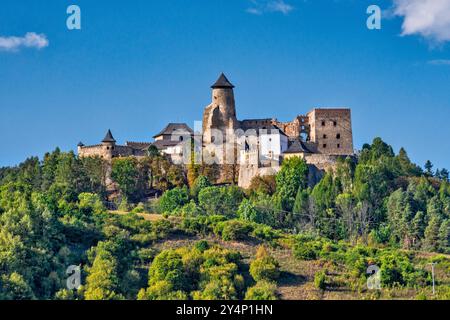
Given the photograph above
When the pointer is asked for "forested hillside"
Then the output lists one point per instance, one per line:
(280, 239)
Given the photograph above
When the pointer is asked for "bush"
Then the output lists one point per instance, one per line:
(305, 250)
(266, 233)
(263, 290)
(191, 210)
(233, 230)
(161, 228)
(140, 208)
(202, 225)
(173, 200)
(202, 245)
(320, 279)
(264, 267)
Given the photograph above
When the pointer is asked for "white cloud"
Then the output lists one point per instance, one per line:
(262, 6)
(30, 40)
(427, 18)
(439, 62)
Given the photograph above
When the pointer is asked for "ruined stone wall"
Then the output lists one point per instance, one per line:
(331, 130)
(299, 127)
(93, 151)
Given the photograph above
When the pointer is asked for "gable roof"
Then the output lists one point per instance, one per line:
(171, 127)
(222, 82)
(297, 147)
(109, 137)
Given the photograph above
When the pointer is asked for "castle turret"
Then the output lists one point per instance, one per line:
(221, 113)
(80, 147)
(109, 144)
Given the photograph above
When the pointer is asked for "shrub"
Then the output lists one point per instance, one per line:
(191, 209)
(202, 245)
(266, 233)
(262, 290)
(305, 250)
(201, 225)
(320, 279)
(264, 267)
(161, 228)
(233, 230)
(173, 200)
(146, 255)
(140, 208)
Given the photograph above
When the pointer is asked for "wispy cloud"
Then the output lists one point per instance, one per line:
(427, 18)
(440, 62)
(259, 7)
(29, 40)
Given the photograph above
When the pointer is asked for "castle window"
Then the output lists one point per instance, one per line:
(334, 123)
(324, 136)
(107, 148)
(324, 145)
(323, 123)
(339, 146)
(338, 136)
(181, 138)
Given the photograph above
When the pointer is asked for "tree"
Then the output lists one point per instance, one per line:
(200, 183)
(431, 241)
(220, 200)
(125, 173)
(292, 176)
(102, 282)
(263, 184)
(14, 287)
(168, 266)
(444, 237)
(173, 200)
(429, 168)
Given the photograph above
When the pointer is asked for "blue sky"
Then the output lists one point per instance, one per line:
(137, 65)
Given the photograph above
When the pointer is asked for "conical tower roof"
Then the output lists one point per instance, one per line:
(222, 82)
(109, 137)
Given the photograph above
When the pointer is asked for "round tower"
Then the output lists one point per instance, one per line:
(108, 145)
(223, 98)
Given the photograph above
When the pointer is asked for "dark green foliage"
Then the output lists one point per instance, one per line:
(220, 200)
(173, 200)
(233, 230)
(292, 177)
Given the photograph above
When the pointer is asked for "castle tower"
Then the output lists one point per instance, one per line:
(108, 145)
(221, 113)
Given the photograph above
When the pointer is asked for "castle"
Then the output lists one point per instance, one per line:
(258, 146)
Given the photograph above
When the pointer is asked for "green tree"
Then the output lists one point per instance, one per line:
(221, 200)
(292, 176)
(125, 173)
(173, 200)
